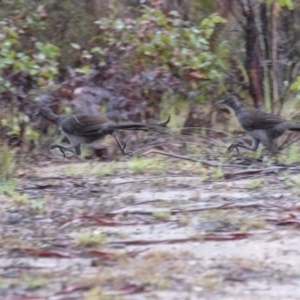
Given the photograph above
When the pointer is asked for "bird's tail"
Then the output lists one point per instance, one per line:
(160, 127)
(295, 127)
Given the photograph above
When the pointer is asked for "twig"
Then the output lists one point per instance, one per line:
(286, 144)
(272, 169)
(204, 162)
(224, 236)
(192, 210)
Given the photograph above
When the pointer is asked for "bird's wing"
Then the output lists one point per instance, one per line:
(253, 119)
(85, 125)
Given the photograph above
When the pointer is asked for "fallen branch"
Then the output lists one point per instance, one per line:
(204, 162)
(224, 236)
(99, 220)
(291, 219)
(295, 207)
(287, 142)
(268, 170)
(184, 211)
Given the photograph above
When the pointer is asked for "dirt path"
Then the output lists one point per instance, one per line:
(108, 231)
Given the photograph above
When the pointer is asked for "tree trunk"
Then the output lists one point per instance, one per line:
(253, 55)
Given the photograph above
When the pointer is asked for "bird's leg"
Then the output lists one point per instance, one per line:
(242, 144)
(61, 148)
(120, 146)
(238, 143)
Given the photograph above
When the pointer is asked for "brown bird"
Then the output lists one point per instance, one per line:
(260, 126)
(85, 129)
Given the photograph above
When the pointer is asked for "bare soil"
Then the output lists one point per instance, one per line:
(124, 231)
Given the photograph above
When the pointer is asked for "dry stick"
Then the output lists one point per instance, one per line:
(285, 144)
(151, 146)
(152, 242)
(191, 210)
(226, 236)
(228, 175)
(204, 162)
(192, 142)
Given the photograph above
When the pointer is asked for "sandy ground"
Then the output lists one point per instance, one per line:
(177, 231)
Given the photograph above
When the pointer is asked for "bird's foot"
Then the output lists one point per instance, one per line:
(122, 148)
(59, 147)
(125, 152)
(234, 146)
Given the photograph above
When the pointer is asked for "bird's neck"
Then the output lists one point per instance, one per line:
(236, 108)
(51, 116)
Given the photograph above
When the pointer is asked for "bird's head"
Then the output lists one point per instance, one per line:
(232, 102)
(43, 112)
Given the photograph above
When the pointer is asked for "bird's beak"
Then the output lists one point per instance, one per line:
(221, 103)
(36, 114)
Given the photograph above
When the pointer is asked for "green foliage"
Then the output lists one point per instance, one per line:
(19, 199)
(57, 22)
(7, 163)
(286, 3)
(295, 86)
(141, 165)
(7, 186)
(101, 169)
(163, 40)
(255, 183)
(38, 41)
(38, 205)
(106, 170)
(292, 154)
(162, 215)
(39, 60)
(217, 173)
(19, 124)
(34, 283)
(138, 165)
(90, 239)
(26, 63)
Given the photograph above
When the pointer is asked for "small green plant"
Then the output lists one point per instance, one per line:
(90, 239)
(97, 170)
(292, 154)
(295, 87)
(7, 187)
(106, 170)
(35, 283)
(96, 294)
(184, 220)
(251, 223)
(203, 176)
(291, 183)
(38, 205)
(280, 276)
(256, 183)
(138, 165)
(218, 173)
(19, 199)
(158, 165)
(7, 162)
(73, 170)
(2, 282)
(162, 215)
